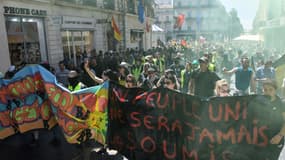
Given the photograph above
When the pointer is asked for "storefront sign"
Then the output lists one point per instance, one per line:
(24, 11)
(77, 22)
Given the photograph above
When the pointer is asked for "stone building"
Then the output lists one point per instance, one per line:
(207, 18)
(51, 30)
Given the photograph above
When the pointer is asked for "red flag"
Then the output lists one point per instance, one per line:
(179, 21)
(117, 33)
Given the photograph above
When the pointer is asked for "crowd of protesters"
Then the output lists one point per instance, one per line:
(203, 70)
(194, 70)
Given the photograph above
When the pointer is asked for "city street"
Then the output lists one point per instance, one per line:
(20, 146)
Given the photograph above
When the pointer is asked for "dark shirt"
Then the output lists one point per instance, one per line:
(204, 83)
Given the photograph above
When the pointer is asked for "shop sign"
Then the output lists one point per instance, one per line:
(77, 22)
(24, 11)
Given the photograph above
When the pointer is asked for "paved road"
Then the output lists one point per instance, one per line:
(21, 147)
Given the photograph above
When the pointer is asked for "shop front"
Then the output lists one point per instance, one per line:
(77, 35)
(25, 28)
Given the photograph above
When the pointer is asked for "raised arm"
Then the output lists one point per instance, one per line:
(91, 74)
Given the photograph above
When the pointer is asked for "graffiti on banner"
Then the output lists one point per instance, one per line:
(32, 99)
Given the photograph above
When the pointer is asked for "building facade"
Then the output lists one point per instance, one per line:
(52, 30)
(270, 22)
(207, 18)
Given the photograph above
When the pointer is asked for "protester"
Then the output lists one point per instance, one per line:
(74, 83)
(131, 81)
(92, 74)
(167, 73)
(109, 75)
(62, 74)
(195, 64)
(177, 67)
(222, 88)
(202, 82)
(243, 77)
(269, 89)
(185, 77)
(170, 82)
(123, 72)
(263, 74)
(143, 81)
(226, 63)
(10, 72)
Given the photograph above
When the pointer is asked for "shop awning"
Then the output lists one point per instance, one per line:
(248, 38)
(155, 28)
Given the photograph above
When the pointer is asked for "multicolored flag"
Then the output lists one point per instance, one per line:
(117, 33)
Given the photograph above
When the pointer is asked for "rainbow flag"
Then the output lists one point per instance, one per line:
(117, 33)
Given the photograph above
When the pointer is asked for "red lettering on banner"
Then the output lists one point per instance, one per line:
(150, 99)
(147, 122)
(189, 154)
(176, 125)
(220, 113)
(193, 131)
(263, 136)
(244, 132)
(228, 113)
(206, 133)
(255, 132)
(148, 145)
(162, 122)
(226, 136)
(163, 105)
(165, 150)
(137, 120)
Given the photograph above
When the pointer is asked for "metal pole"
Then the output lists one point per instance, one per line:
(124, 25)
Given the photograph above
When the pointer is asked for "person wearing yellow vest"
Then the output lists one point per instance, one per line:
(185, 77)
(212, 65)
(123, 72)
(73, 80)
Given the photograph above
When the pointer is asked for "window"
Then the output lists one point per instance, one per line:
(26, 39)
(75, 44)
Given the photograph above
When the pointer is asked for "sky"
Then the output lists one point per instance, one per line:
(246, 10)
